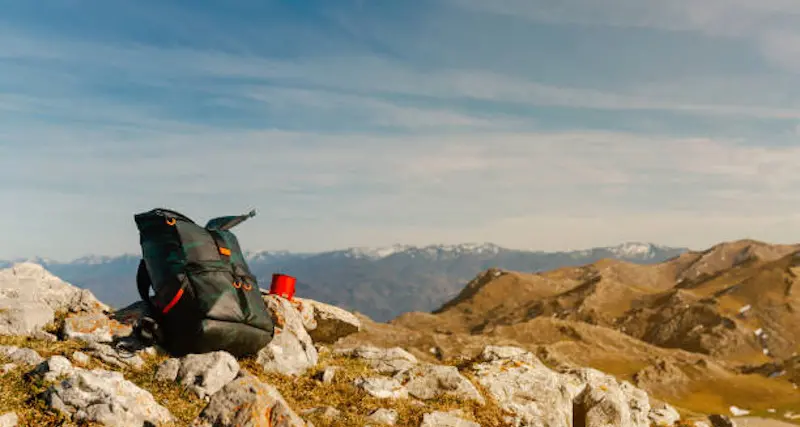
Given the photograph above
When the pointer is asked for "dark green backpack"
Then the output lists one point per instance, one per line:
(206, 299)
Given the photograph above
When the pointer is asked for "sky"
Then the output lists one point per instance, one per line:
(532, 124)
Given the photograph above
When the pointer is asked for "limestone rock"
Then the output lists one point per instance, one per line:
(331, 322)
(327, 375)
(98, 395)
(291, 351)
(204, 374)
(94, 327)
(601, 397)
(30, 296)
(382, 388)
(21, 356)
(535, 395)
(248, 402)
(446, 419)
(9, 419)
(384, 416)
(167, 371)
(81, 358)
(385, 361)
(663, 415)
(8, 367)
(428, 382)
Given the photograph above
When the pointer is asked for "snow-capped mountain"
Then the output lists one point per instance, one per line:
(379, 282)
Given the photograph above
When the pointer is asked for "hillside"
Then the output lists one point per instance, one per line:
(709, 329)
(381, 283)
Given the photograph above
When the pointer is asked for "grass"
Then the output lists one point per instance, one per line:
(306, 392)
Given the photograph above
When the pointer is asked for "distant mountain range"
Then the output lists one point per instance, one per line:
(381, 283)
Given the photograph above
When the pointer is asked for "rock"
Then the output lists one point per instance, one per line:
(8, 367)
(207, 373)
(23, 318)
(428, 382)
(384, 416)
(291, 351)
(246, 401)
(717, 420)
(52, 368)
(22, 356)
(9, 419)
(44, 336)
(332, 323)
(167, 371)
(324, 411)
(30, 296)
(326, 376)
(105, 397)
(385, 361)
(601, 397)
(81, 358)
(118, 357)
(382, 388)
(521, 385)
(306, 310)
(94, 327)
(663, 415)
(445, 419)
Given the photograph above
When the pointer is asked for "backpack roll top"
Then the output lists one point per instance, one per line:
(205, 294)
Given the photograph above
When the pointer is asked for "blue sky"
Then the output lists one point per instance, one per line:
(527, 123)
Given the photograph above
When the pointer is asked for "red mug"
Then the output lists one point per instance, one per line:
(282, 285)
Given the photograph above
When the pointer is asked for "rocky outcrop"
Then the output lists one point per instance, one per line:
(100, 396)
(20, 356)
(330, 323)
(446, 419)
(94, 327)
(30, 296)
(9, 419)
(428, 382)
(389, 361)
(246, 401)
(292, 350)
(203, 374)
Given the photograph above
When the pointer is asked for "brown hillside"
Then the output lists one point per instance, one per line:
(704, 330)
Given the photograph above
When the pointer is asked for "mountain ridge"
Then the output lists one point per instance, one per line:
(381, 282)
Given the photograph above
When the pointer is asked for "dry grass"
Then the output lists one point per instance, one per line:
(306, 392)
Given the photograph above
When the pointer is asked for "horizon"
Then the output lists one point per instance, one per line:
(250, 253)
(355, 123)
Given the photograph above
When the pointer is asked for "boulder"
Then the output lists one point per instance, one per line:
(389, 361)
(534, 395)
(384, 416)
(81, 358)
(204, 374)
(20, 356)
(663, 415)
(30, 296)
(246, 401)
(100, 396)
(327, 375)
(291, 351)
(446, 419)
(428, 382)
(94, 327)
(9, 419)
(381, 387)
(600, 397)
(330, 323)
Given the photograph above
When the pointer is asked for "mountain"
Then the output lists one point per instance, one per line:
(379, 282)
(705, 330)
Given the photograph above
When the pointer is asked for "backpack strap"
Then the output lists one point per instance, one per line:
(146, 329)
(228, 222)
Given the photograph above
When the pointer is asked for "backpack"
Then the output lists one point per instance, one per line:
(205, 297)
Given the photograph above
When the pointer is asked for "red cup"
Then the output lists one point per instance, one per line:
(282, 285)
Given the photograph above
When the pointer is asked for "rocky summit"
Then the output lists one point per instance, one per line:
(68, 359)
